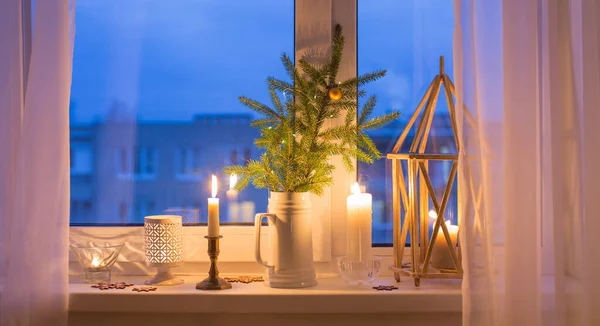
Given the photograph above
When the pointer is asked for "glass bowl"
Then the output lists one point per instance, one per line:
(359, 272)
(96, 260)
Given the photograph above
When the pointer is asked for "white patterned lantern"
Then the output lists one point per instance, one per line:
(164, 247)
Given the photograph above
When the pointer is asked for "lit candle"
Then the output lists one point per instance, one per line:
(432, 214)
(233, 208)
(232, 182)
(358, 225)
(95, 262)
(213, 211)
(441, 256)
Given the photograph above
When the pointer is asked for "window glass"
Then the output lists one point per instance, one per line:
(154, 109)
(406, 38)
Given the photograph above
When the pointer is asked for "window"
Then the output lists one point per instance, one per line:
(138, 163)
(154, 107)
(81, 160)
(188, 164)
(234, 156)
(406, 38)
(81, 210)
(80, 157)
(143, 208)
(123, 212)
(247, 155)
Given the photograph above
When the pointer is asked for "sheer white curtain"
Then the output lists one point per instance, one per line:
(528, 90)
(34, 164)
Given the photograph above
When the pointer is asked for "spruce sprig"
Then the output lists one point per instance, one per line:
(296, 140)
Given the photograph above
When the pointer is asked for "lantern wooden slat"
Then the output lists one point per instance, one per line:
(411, 196)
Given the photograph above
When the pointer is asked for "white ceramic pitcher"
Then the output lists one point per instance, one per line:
(290, 230)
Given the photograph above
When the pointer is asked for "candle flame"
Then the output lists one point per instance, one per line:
(214, 186)
(355, 188)
(232, 181)
(95, 261)
(432, 214)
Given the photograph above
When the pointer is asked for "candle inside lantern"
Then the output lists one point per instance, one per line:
(233, 207)
(432, 214)
(213, 211)
(441, 256)
(359, 212)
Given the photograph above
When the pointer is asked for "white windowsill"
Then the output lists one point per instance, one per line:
(330, 296)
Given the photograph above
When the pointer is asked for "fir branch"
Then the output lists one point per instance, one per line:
(259, 107)
(337, 48)
(276, 101)
(281, 85)
(288, 66)
(359, 81)
(368, 145)
(379, 122)
(296, 143)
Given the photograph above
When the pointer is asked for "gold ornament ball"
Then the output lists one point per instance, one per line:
(335, 94)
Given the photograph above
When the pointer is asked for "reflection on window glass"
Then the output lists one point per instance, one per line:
(406, 38)
(154, 110)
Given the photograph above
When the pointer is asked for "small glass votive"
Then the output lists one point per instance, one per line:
(96, 260)
(359, 272)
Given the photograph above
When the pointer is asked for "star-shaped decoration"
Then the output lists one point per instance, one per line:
(144, 289)
(385, 287)
(108, 286)
(244, 279)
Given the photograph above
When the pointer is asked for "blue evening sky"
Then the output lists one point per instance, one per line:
(170, 60)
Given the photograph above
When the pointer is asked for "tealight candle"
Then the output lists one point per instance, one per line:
(95, 262)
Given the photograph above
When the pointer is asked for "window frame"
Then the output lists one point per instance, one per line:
(330, 207)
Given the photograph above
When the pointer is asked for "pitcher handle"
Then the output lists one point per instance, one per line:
(257, 224)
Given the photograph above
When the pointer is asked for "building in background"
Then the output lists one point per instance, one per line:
(121, 172)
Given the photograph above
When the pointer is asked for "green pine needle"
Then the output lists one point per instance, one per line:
(296, 142)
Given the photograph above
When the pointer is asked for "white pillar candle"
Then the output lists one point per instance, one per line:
(358, 225)
(213, 211)
(441, 256)
(233, 208)
(247, 211)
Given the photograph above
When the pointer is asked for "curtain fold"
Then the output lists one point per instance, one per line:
(35, 170)
(528, 88)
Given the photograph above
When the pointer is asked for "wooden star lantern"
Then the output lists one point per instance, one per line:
(412, 199)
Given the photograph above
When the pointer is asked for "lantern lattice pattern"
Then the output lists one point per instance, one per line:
(163, 239)
(164, 247)
(412, 198)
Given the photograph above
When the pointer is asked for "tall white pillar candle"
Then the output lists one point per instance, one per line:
(440, 255)
(213, 211)
(359, 225)
(233, 208)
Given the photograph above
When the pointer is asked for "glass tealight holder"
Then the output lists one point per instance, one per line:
(96, 260)
(359, 272)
